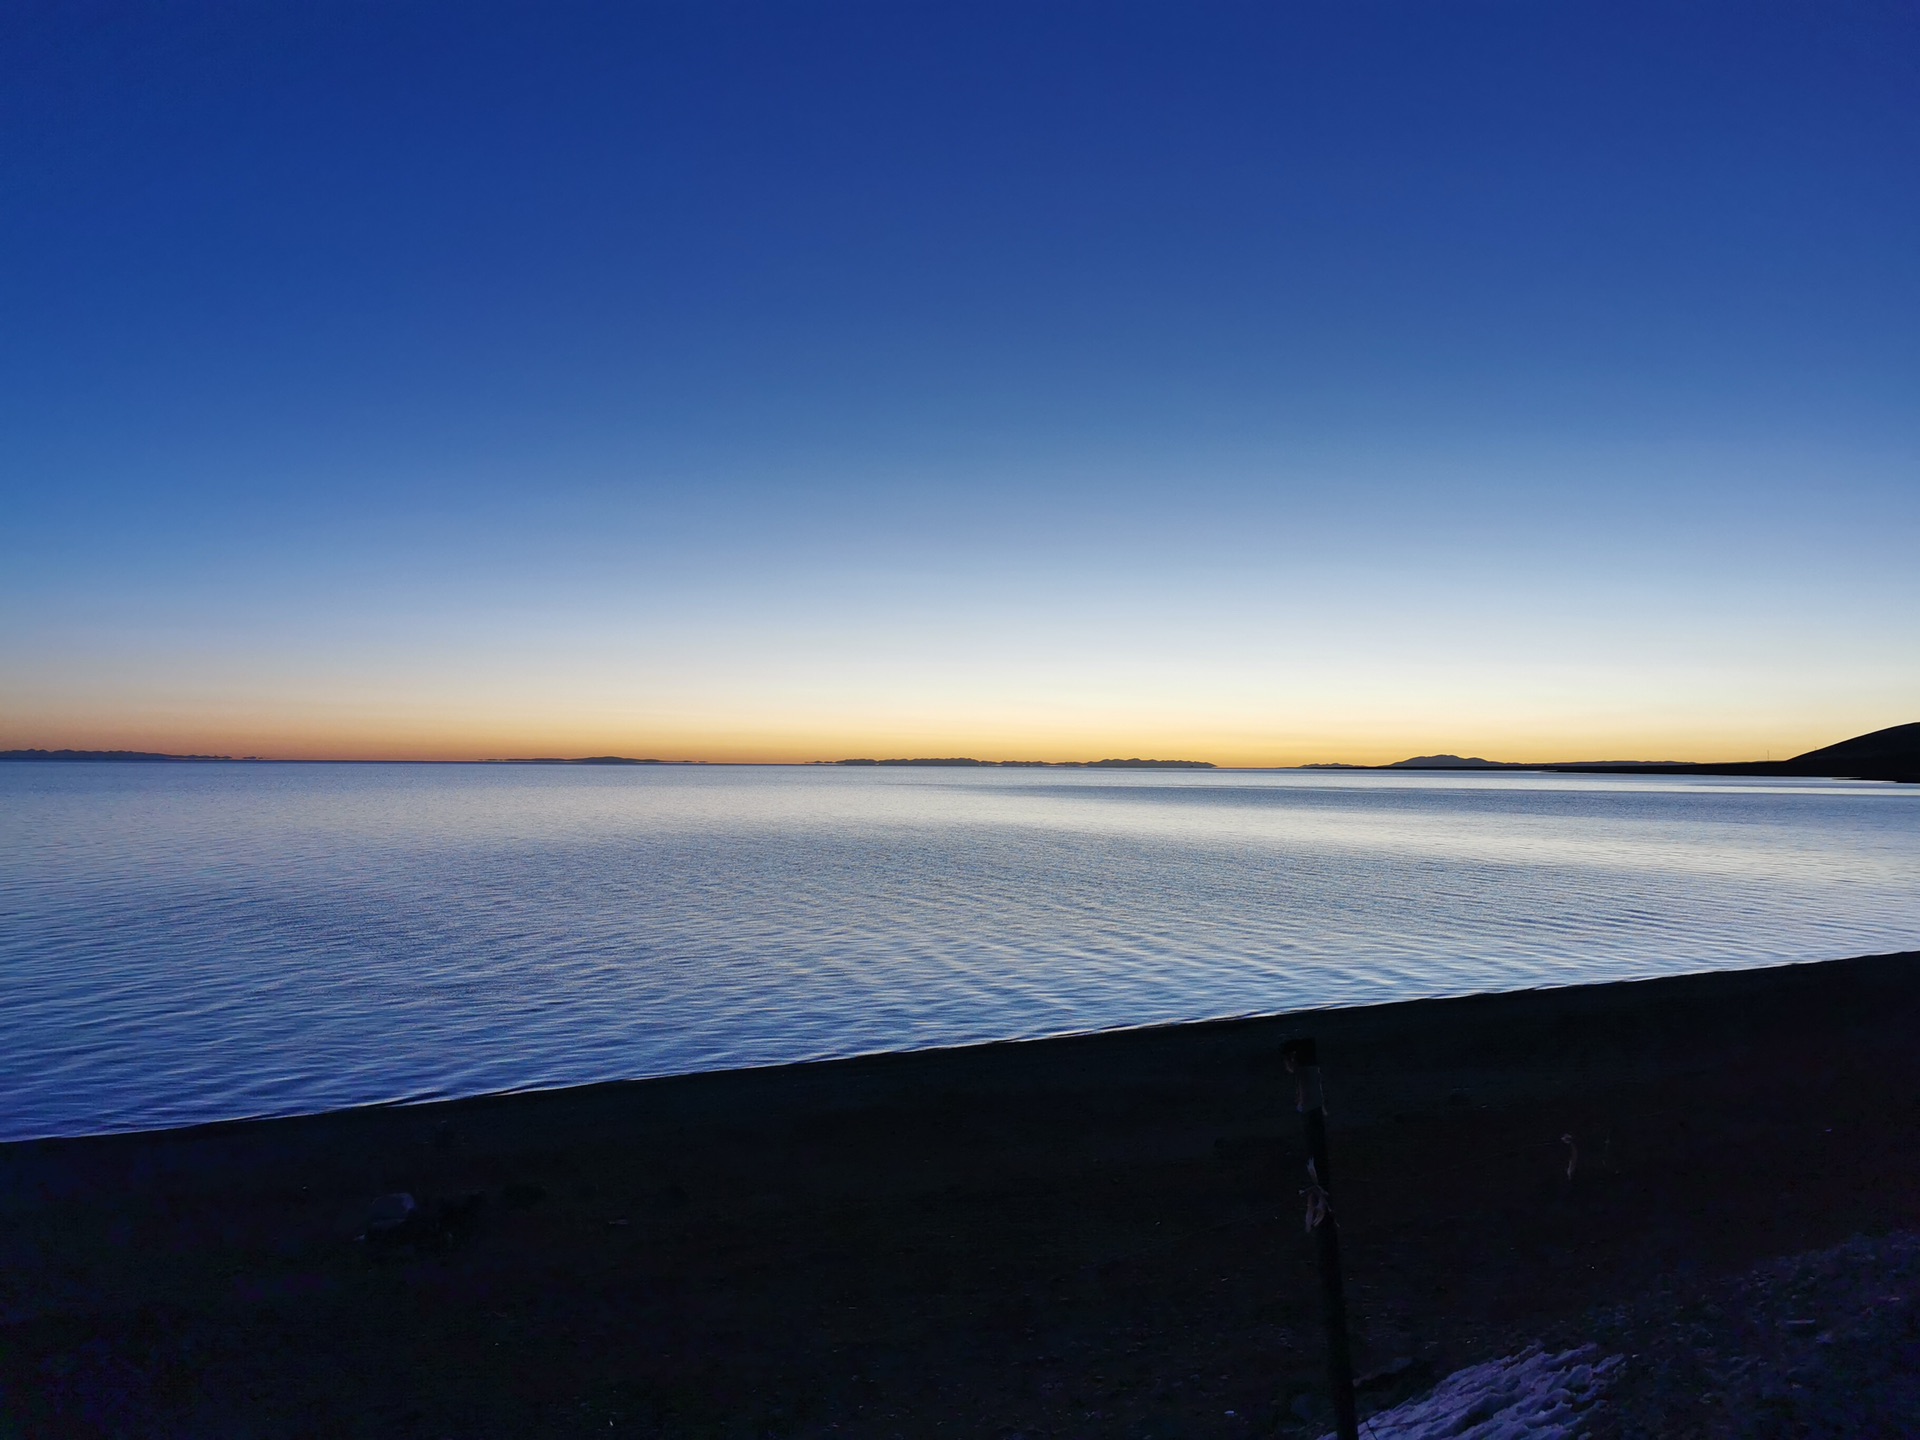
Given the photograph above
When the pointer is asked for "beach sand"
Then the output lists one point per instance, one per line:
(1087, 1236)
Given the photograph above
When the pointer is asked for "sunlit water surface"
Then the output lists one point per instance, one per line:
(193, 942)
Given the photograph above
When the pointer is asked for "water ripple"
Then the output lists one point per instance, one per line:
(185, 943)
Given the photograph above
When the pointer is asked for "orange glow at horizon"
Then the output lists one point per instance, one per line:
(1360, 744)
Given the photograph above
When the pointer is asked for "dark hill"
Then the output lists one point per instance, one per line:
(1889, 754)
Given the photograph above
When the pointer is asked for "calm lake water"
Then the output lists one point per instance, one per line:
(193, 942)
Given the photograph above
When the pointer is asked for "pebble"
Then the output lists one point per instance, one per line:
(390, 1212)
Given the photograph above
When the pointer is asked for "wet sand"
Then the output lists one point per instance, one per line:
(1089, 1236)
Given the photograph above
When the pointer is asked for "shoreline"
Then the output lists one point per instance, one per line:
(798, 1068)
(1014, 1236)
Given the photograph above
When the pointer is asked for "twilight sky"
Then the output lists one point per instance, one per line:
(1255, 383)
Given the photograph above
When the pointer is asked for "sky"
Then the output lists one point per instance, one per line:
(1256, 383)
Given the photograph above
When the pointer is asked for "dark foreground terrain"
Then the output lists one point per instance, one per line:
(1097, 1236)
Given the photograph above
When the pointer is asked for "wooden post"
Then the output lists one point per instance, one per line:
(1303, 1062)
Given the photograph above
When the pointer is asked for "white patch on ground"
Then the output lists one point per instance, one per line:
(1529, 1396)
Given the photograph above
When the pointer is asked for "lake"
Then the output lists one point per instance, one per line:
(191, 942)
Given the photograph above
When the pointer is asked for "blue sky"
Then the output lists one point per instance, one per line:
(1261, 383)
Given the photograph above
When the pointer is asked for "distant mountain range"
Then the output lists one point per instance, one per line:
(583, 760)
(135, 755)
(1048, 764)
(1890, 754)
(146, 756)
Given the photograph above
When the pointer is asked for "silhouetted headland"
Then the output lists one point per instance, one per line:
(1890, 754)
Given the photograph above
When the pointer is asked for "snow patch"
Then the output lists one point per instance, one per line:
(1529, 1396)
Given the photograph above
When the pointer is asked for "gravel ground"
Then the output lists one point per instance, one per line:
(1816, 1345)
(1825, 1344)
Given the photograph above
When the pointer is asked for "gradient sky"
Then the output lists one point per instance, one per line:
(1254, 383)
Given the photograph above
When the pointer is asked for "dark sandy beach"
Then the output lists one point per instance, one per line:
(1088, 1236)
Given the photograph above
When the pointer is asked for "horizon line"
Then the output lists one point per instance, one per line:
(70, 755)
(1900, 737)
